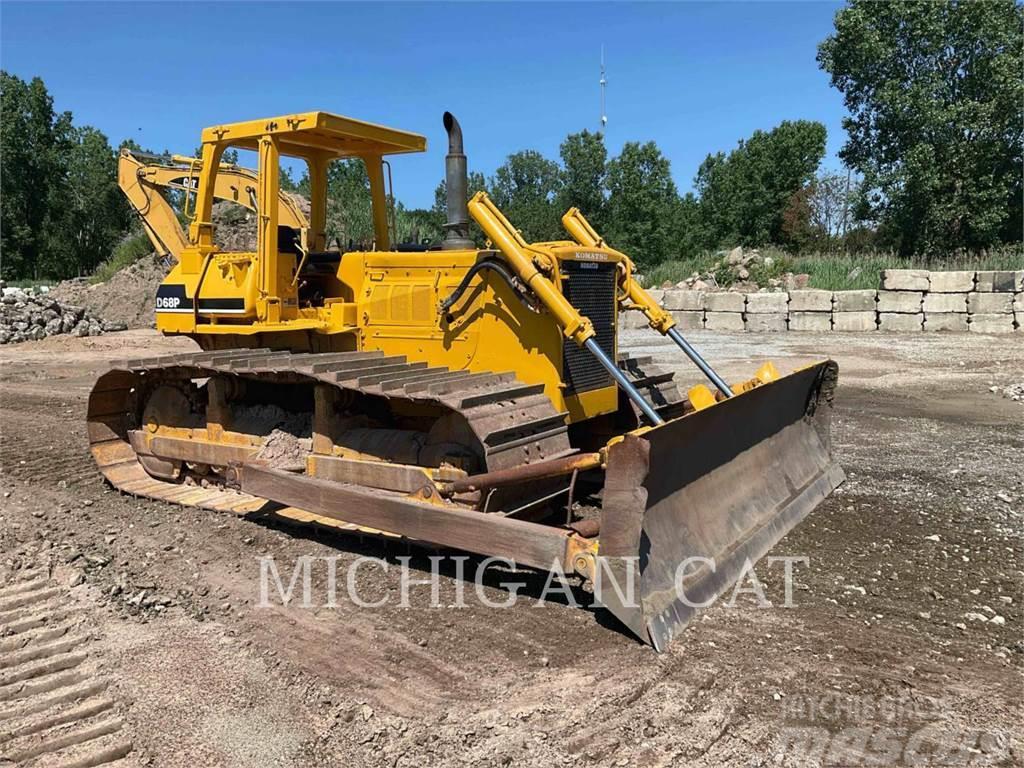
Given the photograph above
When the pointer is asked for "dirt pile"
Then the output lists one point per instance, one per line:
(125, 298)
(27, 316)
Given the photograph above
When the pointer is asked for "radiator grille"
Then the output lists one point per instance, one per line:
(590, 287)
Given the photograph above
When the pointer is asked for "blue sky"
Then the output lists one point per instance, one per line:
(694, 77)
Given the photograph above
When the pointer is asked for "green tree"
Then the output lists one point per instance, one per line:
(28, 167)
(745, 195)
(935, 90)
(87, 213)
(642, 212)
(525, 187)
(584, 166)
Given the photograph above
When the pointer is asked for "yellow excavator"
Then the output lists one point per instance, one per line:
(470, 398)
(145, 178)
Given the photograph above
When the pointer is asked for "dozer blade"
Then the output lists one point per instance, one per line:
(688, 503)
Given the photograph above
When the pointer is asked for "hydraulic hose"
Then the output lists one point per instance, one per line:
(491, 264)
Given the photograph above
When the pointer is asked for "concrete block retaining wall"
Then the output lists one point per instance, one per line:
(908, 300)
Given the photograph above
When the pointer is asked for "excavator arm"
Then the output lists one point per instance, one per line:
(143, 185)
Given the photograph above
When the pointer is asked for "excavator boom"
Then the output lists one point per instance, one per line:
(143, 184)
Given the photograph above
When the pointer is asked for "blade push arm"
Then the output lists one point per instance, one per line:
(660, 319)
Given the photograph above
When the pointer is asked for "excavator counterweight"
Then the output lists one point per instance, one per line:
(471, 398)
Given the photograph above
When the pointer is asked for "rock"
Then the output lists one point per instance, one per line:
(724, 321)
(990, 323)
(854, 321)
(945, 321)
(763, 323)
(1000, 281)
(888, 321)
(675, 299)
(933, 537)
(810, 301)
(688, 320)
(905, 279)
(990, 303)
(998, 620)
(854, 301)
(950, 282)
(975, 616)
(908, 302)
(810, 321)
(946, 302)
(724, 302)
(735, 257)
(767, 303)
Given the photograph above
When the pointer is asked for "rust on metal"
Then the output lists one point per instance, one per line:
(525, 472)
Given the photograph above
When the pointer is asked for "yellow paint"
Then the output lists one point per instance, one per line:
(380, 299)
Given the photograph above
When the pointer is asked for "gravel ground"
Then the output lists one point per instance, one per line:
(904, 646)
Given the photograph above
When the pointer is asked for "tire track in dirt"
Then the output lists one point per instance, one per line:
(56, 708)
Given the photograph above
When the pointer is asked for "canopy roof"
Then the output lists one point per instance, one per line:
(309, 133)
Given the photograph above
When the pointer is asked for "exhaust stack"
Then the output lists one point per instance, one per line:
(456, 184)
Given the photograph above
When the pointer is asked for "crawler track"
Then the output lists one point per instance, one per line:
(515, 423)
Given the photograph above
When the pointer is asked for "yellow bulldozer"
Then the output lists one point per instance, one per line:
(468, 398)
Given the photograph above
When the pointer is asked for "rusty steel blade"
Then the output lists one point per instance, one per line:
(708, 492)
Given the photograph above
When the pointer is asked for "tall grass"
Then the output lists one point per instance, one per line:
(127, 252)
(834, 272)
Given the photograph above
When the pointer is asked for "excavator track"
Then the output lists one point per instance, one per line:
(515, 423)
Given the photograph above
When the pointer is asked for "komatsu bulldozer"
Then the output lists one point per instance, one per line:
(467, 398)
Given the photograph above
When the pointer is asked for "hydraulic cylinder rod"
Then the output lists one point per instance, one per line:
(574, 325)
(699, 361)
(627, 386)
(659, 319)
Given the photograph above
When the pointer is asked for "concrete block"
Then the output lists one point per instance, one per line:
(854, 301)
(1000, 281)
(854, 321)
(657, 294)
(891, 321)
(950, 282)
(762, 323)
(900, 301)
(810, 321)
(991, 323)
(810, 301)
(724, 301)
(723, 321)
(989, 303)
(945, 321)
(689, 320)
(632, 320)
(1018, 303)
(905, 279)
(945, 302)
(683, 300)
(767, 303)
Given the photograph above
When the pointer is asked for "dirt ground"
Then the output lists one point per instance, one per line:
(904, 646)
